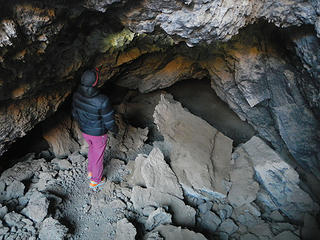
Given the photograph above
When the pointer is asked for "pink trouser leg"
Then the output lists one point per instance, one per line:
(97, 145)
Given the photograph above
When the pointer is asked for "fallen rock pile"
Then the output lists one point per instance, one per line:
(190, 186)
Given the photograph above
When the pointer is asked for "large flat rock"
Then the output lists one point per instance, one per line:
(279, 179)
(200, 155)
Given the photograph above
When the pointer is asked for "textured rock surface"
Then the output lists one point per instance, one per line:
(52, 229)
(279, 179)
(125, 230)
(182, 214)
(37, 208)
(170, 232)
(154, 172)
(199, 154)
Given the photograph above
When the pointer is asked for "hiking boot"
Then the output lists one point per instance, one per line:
(94, 184)
(89, 175)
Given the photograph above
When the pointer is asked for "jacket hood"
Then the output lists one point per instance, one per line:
(88, 91)
(88, 78)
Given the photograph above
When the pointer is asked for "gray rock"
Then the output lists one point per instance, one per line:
(199, 154)
(183, 215)
(37, 208)
(311, 229)
(279, 179)
(208, 222)
(158, 217)
(3, 211)
(148, 210)
(205, 207)
(248, 236)
(169, 232)
(76, 157)
(248, 215)
(262, 230)
(228, 226)
(244, 188)
(52, 229)
(14, 190)
(156, 173)
(277, 228)
(14, 219)
(276, 216)
(153, 236)
(224, 211)
(286, 236)
(265, 202)
(125, 230)
(62, 164)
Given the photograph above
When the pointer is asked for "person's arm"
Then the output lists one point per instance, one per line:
(107, 116)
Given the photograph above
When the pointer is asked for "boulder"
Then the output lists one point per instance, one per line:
(13, 219)
(158, 217)
(52, 229)
(169, 232)
(154, 172)
(200, 155)
(228, 226)
(287, 235)
(279, 179)
(61, 164)
(125, 230)
(37, 208)
(14, 190)
(244, 188)
(183, 215)
(208, 222)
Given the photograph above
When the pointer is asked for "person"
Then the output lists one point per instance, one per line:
(95, 116)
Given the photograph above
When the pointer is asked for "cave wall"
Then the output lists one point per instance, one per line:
(269, 77)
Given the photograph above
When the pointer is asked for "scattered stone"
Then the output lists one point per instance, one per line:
(14, 190)
(52, 229)
(311, 229)
(116, 170)
(228, 226)
(125, 230)
(158, 217)
(262, 230)
(208, 222)
(247, 215)
(224, 210)
(277, 228)
(276, 216)
(153, 236)
(76, 157)
(205, 207)
(23, 170)
(200, 155)
(248, 236)
(148, 210)
(169, 232)
(14, 219)
(156, 173)
(183, 215)
(3, 211)
(37, 208)
(62, 164)
(287, 235)
(279, 179)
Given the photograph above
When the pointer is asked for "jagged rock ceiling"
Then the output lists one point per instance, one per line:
(268, 76)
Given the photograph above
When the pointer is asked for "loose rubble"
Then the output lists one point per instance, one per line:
(257, 196)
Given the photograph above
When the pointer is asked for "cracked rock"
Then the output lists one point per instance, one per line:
(125, 230)
(52, 229)
(37, 208)
(200, 155)
(158, 217)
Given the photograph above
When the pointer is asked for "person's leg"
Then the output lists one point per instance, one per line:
(90, 151)
(98, 146)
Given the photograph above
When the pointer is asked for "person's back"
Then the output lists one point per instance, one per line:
(95, 116)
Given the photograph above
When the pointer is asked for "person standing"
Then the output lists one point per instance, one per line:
(95, 116)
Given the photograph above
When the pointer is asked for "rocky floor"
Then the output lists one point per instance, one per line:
(185, 187)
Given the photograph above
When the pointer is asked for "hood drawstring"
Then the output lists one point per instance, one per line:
(97, 77)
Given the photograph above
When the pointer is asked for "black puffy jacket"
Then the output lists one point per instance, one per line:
(91, 109)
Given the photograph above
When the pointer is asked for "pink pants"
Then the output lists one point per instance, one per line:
(97, 145)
